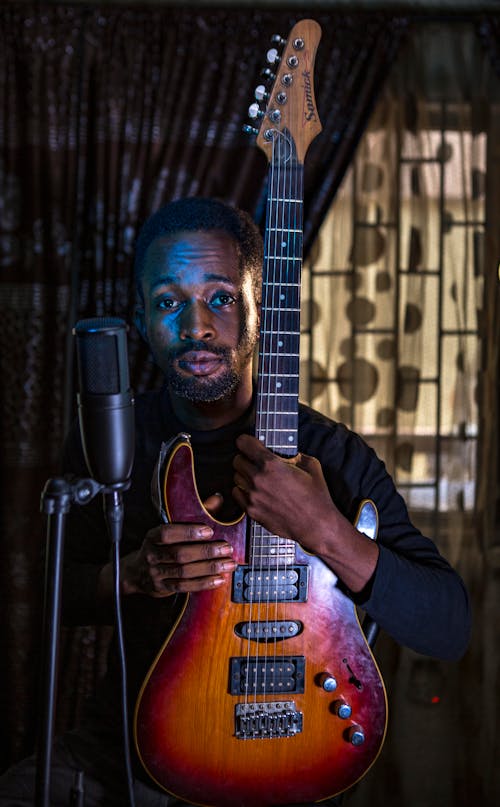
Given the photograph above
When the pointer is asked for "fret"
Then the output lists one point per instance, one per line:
(265, 422)
(281, 333)
(263, 539)
(285, 310)
(285, 199)
(283, 413)
(284, 451)
(279, 354)
(278, 351)
(272, 554)
(270, 318)
(273, 376)
(280, 394)
(270, 548)
(278, 431)
(284, 258)
(285, 282)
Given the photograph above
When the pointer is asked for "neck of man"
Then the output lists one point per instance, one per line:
(205, 416)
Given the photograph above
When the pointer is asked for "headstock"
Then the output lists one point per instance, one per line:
(290, 104)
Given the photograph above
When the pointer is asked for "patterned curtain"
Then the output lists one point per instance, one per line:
(105, 113)
(401, 342)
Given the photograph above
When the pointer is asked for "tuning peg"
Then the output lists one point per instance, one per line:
(276, 39)
(268, 74)
(260, 93)
(250, 130)
(254, 111)
(272, 56)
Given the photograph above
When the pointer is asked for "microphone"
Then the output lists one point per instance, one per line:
(105, 400)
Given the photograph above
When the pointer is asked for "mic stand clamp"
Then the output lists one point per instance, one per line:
(57, 497)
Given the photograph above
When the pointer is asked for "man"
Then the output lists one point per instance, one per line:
(198, 267)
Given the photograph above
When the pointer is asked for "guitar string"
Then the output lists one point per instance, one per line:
(280, 298)
(291, 290)
(281, 291)
(268, 569)
(255, 560)
(265, 570)
(283, 185)
(281, 262)
(276, 312)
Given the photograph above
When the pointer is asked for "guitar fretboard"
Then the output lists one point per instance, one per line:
(278, 380)
(278, 385)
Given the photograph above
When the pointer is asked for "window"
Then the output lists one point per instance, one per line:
(392, 295)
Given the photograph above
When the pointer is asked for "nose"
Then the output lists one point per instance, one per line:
(196, 322)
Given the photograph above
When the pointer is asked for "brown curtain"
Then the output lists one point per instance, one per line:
(105, 113)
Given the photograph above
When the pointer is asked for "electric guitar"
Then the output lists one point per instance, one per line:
(265, 692)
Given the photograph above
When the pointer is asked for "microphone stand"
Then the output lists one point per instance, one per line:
(56, 499)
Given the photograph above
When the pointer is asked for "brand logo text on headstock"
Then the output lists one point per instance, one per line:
(309, 108)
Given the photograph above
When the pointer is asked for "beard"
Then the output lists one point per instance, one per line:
(201, 389)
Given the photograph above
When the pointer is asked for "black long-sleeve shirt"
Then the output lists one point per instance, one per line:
(414, 594)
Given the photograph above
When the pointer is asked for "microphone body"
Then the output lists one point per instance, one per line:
(105, 400)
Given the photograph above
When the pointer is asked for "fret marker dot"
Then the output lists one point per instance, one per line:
(283, 244)
(261, 438)
(280, 343)
(282, 296)
(278, 384)
(290, 439)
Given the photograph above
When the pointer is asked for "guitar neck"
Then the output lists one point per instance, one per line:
(278, 379)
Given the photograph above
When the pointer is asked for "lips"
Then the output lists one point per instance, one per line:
(199, 362)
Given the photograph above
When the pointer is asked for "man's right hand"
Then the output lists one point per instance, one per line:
(174, 558)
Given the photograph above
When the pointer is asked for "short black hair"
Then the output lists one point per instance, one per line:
(195, 213)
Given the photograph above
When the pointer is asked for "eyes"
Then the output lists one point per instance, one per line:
(218, 300)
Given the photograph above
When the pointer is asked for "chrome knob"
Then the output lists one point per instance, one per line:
(356, 735)
(328, 682)
(342, 709)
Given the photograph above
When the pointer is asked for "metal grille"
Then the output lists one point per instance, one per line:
(395, 353)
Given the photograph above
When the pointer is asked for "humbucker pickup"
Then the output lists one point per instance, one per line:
(270, 585)
(266, 675)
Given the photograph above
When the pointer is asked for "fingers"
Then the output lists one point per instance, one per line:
(189, 577)
(182, 558)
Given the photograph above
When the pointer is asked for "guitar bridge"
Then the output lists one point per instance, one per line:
(263, 721)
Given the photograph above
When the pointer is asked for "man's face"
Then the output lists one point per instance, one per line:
(200, 316)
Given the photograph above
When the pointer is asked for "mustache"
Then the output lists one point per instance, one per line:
(178, 353)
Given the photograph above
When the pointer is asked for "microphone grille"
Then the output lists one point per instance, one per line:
(102, 355)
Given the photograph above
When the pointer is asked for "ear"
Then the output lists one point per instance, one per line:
(140, 322)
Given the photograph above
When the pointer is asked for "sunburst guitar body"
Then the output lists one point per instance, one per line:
(266, 691)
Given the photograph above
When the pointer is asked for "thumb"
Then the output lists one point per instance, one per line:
(308, 464)
(213, 503)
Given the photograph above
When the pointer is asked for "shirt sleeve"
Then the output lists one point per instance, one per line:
(414, 594)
